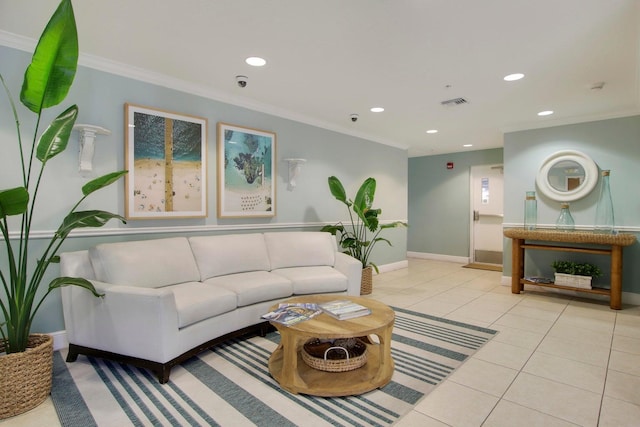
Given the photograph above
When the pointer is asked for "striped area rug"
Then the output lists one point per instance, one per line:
(230, 384)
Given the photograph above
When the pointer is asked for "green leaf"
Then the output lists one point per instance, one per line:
(53, 66)
(101, 182)
(14, 201)
(337, 190)
(365, 194)
(74, 281)
(394, 225)
(54, 140)
(94, 218)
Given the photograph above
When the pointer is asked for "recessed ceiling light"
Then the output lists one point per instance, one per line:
(432, 131)
(255, 61)
(468, 145)
(377, 110)
(513, 77)
(545, 113)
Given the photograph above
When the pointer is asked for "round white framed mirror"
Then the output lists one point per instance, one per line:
(567, 175)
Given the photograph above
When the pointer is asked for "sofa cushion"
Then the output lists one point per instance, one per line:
(196, 301)
(314, 280)
(300, 248)
(228, 254)
(253, 287)
(145, 263)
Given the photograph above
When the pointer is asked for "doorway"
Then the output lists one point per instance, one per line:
(487, 194)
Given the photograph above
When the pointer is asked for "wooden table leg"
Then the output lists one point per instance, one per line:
(517, 265)
(616, 278)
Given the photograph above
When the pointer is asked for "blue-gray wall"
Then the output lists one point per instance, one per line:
(101, 97)
(440, 201)
(612, 144)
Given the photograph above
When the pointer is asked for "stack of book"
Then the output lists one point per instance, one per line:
(290, 314)
(344, 309)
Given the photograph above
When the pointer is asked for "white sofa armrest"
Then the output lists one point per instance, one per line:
(352, 268)
(138, 322)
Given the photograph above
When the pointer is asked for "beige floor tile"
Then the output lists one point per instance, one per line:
(469, 320)
(566, 371)
(517, 337)
(573, 332)
(416, 419)
(575, 350)
(626, 329)
(484, 376)
(626, 344)
(525, 323)
(625, 362)
(594, 324)
(623, 386)
(42, 415)
(558, 400)
(480, 314)
(457, 405)
(616, 413)
(503, 354)
(534, 313)
(509, 414)
(434, 307)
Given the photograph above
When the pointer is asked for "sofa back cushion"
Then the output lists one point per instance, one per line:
(228, 254)
(145, 263)
(300, 248)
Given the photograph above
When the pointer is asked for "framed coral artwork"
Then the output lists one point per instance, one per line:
(246, 172)
(166, 156)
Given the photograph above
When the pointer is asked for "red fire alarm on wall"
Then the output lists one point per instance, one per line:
(449, 165)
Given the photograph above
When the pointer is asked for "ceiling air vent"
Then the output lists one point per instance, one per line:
(453, 102)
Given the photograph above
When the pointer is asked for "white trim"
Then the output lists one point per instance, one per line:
(149, 76)
(100, 232)
(393, 266)
(438, 257)
(60, 340)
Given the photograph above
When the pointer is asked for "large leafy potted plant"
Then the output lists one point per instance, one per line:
(25, 356)
(360, 237)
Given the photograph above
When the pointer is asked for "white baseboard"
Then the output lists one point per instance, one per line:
(438, 257)
(393, 266)
(60, 340)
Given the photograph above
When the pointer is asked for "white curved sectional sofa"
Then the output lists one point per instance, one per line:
(168, 299)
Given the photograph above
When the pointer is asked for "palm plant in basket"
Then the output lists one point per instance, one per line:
(46, 83)
(360, 237)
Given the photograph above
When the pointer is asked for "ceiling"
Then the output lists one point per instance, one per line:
(329, 59)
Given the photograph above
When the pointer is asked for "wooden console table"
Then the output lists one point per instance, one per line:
(575, 241)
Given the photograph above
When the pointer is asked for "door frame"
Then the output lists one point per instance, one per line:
(472, 256)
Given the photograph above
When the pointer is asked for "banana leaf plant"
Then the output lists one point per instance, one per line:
(46, 84)
(360, 237)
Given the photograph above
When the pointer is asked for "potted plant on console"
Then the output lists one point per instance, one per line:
(26, 359)
(575, 274)
(360, 237)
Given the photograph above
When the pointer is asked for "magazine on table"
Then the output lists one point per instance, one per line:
(344, 309)
(290, 314)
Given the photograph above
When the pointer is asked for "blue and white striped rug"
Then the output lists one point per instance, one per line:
(230, 384)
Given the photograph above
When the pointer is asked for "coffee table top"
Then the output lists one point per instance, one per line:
(325, 326)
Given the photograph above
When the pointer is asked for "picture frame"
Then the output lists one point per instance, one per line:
(166, 156)
(246, 172)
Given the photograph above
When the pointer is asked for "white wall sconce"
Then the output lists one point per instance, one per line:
(294, 171)
(86, 145)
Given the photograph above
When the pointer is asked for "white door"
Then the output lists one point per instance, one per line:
(487, 195)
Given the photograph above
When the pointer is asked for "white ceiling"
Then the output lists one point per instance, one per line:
(328, 59)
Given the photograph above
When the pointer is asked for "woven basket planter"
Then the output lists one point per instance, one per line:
(25, 378)
(366, 284)
(583, 282)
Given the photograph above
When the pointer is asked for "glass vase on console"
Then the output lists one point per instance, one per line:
(565, 221)
(604, 222)
(530, 211)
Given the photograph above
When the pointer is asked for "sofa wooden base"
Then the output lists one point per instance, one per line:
(163, 370)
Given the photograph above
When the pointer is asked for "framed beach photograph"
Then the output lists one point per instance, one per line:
(246, 172)
(166, 155)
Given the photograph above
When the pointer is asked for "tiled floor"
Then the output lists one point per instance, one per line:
(557, 361)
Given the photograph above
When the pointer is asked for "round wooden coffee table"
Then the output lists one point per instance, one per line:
(294, 375)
